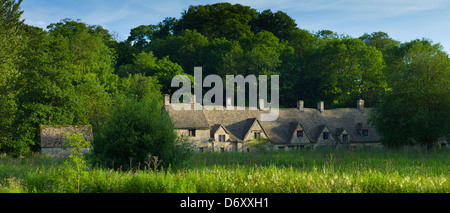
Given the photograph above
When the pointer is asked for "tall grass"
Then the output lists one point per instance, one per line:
(303, 171)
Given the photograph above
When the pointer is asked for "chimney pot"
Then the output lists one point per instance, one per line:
(166, 100)
(360, 104)
(320, 106)
(300, 105)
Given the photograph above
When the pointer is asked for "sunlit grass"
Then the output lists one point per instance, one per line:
(303, 171)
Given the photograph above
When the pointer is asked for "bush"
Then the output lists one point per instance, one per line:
(136, 130)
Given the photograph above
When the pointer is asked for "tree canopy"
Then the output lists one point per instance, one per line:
(74, 73)
(416, 109)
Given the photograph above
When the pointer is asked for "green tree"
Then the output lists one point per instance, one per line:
(90, 63)
(65, 78)
(280, 24)
(142, 35)
(344, 70)
(295, 84)
(147, 64)
(136, 130)
(217, 20)
(258, 55)
(380, 40)
(11, 46)
(184, 49)
(416, 109)
(139, 86)
(212, 55)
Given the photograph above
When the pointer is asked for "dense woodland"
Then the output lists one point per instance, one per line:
(74, 73)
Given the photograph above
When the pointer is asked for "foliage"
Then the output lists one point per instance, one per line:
(66, 77)
(75, 168)
(259, 143)
(183, 49)
(417, 108)
(380, 40)
(217, 20)
(279, 23)
(11, 48)
(345, 71)
(73, 73)
(148, 65)
(303, 171)
(136, 129)
(142, 35)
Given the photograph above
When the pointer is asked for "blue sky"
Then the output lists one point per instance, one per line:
(403, 20)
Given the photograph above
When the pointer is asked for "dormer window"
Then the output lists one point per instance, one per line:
(365, 132)
(257, 134)
(345, 137)
(222, 138)
(299, 133)
(326, 135)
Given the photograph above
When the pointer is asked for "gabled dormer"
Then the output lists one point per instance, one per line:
(255, 131)
(363, 129)
(342, 135)
(220, 134)
(299, 135)
(324, 136)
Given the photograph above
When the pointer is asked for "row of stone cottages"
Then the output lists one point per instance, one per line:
(295, 128)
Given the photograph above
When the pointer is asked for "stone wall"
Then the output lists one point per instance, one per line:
(52, 139)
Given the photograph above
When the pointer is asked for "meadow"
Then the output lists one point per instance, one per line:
(360, 170)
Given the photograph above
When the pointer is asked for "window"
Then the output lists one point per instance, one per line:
(302, 147)
(257, 135)
(365, 132)
(192, 132)
(222, 138)
(281, 148)
(299, 133)
(222, 149)
(345, 137)
(326, 135)
(200, 149)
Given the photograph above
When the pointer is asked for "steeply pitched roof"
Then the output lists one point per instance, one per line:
(216, 127)
(254, 122)
(187, 119)
(238, 122)
(293, 130)
(321, 129)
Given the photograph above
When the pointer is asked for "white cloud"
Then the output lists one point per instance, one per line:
(107, 15)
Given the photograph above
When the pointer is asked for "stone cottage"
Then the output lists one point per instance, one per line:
(295, 128)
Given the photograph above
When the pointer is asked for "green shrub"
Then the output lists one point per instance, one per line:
(136, 130)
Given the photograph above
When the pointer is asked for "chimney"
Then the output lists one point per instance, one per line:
(300, 105)
(166, 100)
(261, 104)
(360, 104)
(320, 106)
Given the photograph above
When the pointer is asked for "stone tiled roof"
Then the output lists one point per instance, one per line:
(238, 122)
(216, 127)
(187, 119)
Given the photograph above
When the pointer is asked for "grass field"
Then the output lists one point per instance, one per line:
(373, 170)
